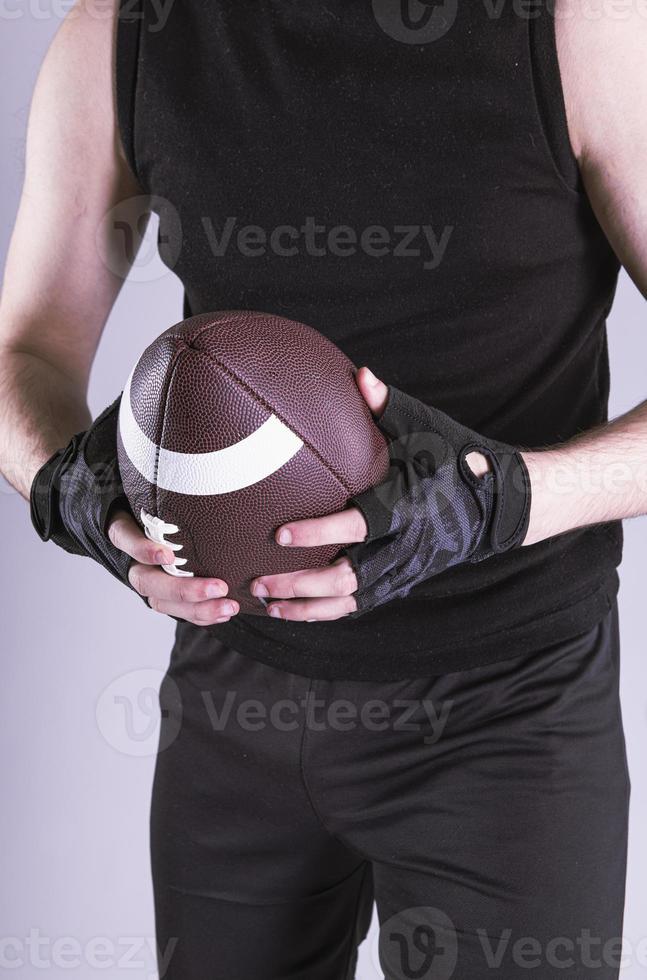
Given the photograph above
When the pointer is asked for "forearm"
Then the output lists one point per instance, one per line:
(40, 410)
(596, 477)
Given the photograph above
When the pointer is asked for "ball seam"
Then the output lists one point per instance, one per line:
(270, 408)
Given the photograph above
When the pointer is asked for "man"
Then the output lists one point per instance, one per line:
(482, 584)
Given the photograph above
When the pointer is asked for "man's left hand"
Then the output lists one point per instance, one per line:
(412, 526)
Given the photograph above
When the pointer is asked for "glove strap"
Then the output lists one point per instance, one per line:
(44, 490)
(508, 487)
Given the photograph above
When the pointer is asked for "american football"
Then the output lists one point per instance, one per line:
(232, 423)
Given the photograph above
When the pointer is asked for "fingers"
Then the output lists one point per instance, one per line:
(310, 595)
(478, 463)
(374, 391)
(207, 613)
(155, 583)
(346, 527)
(337, 579)
(125, 534)
(197, 600)
(313, 610)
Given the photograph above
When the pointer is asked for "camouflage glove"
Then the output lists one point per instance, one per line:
(432, 511)
(75, 493)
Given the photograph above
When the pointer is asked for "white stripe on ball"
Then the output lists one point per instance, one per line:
(226, 470)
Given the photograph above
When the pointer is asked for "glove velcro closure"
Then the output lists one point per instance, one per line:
(423, 438)
(44, 494)
(75, 493)
(510, 496)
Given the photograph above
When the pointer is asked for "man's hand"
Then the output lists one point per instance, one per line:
(399, 553)
(197, 600)
(78, 501)
(322, 593)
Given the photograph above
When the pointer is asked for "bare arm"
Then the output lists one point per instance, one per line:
(602, 475)
(58, 290)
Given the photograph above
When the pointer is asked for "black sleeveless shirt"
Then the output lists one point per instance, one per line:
(399, 176)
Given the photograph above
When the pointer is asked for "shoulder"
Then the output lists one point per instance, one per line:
(602, 49)
(76, 85)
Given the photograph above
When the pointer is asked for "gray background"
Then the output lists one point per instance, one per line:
(81, 658)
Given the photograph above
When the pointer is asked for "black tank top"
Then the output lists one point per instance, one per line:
(399, 176)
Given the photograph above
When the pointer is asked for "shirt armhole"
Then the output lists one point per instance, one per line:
(549, 95)
(126, 63)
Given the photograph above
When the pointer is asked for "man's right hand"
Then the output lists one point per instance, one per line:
(197, 600)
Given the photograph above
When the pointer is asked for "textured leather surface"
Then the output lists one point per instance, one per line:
(212, 381)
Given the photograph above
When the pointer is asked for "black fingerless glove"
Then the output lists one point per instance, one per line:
(75, 493)
(432, 512)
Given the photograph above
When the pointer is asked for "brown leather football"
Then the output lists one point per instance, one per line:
(233, 423)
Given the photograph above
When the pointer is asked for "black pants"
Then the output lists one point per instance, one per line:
(484, 810)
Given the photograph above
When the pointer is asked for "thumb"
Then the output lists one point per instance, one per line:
(374, 391)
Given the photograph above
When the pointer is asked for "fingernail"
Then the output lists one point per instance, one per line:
(229, 608)
(214, 591)
(275, 612)
(370, 378)
(161, 558)
(260, 590)
(285, 536)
